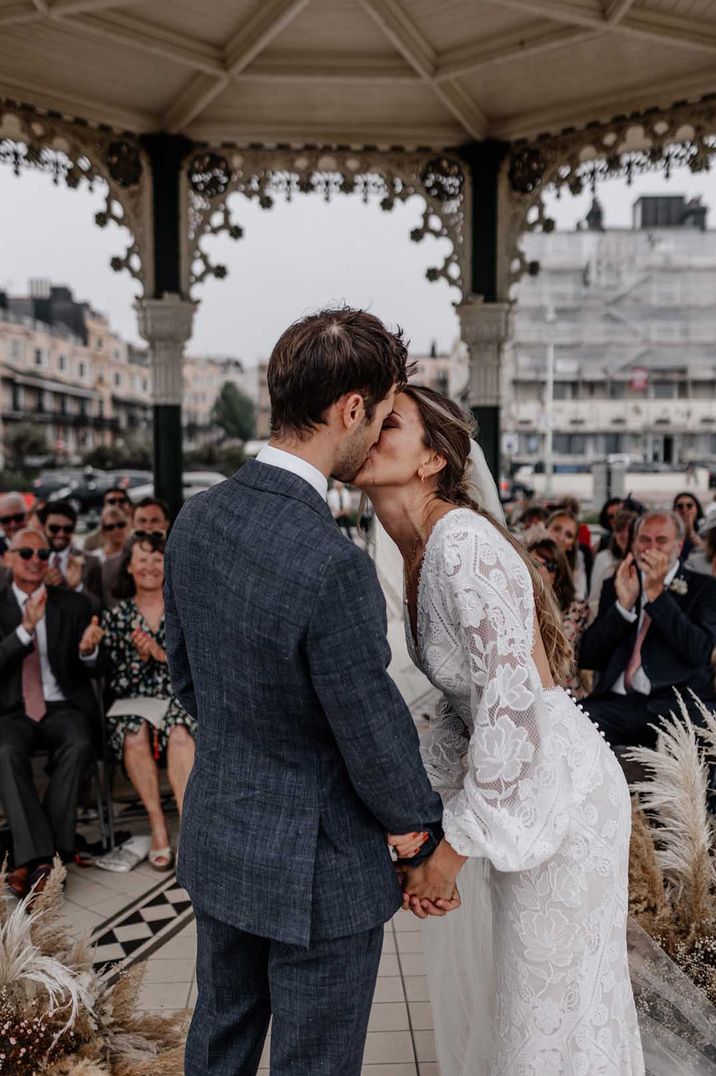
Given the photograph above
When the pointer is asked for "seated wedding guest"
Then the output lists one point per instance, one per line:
(46, 702)
(116, 497)
(150, 519)
(688, 508)
(607, 560)
(703, 560)
(69, 566)
(13, 516)
(655, 631)
(114, 527)
(134, 658)
(555, 568)
(584, 535)
(563, 527)
(532, 522)
(607, 516)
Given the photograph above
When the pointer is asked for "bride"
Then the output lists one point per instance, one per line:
(536, 809)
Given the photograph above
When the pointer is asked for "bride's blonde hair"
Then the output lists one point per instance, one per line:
(447, 431)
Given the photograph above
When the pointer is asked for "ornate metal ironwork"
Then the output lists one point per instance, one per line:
(628, 146)
(76, 154)
(386, 177)
(124, 163)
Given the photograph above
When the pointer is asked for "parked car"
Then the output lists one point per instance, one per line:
(192, 482)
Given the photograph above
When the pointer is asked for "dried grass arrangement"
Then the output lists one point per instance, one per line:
(58, 1016)
(672, 875)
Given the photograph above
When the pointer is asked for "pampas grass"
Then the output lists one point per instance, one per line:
(58, 1016)
(672, 866)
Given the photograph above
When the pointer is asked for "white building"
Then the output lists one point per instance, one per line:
(631, 314)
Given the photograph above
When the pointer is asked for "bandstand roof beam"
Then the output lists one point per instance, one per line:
(398, 28)
(675, 29)
(615, 10)
(268, 21)
(93, 109)
(527, 41)
(15, 14)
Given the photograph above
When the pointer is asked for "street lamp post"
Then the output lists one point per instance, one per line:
(550, 319)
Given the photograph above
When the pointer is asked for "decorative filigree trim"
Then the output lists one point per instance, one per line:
(74, 154)
(265, 174)
(628, 146)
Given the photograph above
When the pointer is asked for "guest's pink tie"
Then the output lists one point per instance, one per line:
(635, 660)
(32, 692)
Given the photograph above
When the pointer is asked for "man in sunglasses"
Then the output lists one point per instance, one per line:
(116, 497)
(69, 567)
(46, 702)
(13, 516)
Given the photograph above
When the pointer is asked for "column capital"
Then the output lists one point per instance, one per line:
(485, 323)
(166, 325)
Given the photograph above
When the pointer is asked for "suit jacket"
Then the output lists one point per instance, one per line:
(677, 650)
(306, 753)
(67, 615)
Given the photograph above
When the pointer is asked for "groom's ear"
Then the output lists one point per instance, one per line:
(350, 409)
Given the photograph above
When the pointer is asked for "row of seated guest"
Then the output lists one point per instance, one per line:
(93, 573)
(655, 630)
(51, 643)
(612, 554)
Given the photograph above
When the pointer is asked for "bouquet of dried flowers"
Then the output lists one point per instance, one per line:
(60, 1017)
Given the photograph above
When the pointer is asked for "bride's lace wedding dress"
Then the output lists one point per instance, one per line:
(537, 800)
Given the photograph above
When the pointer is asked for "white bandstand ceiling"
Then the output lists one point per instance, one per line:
(355, 72)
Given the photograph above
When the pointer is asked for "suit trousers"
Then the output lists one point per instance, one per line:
(39, 829)
(626, 721)
(319, 999)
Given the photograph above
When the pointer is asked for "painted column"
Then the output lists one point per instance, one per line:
(166, 318)
(486, 313)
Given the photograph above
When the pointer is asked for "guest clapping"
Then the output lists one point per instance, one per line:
(608, 560)
(47, 702)
(655, 631)
(553, 563)
(133, 652)
(69, 567)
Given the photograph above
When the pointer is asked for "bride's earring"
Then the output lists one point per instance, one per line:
(421, 475)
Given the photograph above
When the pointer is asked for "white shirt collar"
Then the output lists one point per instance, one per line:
(22, 595)
(278, 457)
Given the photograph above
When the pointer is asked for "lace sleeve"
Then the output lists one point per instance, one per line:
(444, 749)
(516, 797)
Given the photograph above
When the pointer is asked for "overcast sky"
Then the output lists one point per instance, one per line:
(293, 258)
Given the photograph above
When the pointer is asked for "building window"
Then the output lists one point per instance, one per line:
(117, 380)
(664, 390)
(38, 356)
(81, 369)
(570, 444)
(62, 362)
(17, 350)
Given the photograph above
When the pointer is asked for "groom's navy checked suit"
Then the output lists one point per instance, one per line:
(306, 757)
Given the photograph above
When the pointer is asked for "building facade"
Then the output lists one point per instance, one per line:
(65, 370)
(626, 319)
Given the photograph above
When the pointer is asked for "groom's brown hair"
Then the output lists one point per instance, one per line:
(322, 357)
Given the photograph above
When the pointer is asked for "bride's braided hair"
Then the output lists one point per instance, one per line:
(448, 430)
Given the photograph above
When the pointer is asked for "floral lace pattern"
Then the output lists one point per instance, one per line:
(529, 783)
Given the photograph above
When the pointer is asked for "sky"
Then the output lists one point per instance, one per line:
(293, 258)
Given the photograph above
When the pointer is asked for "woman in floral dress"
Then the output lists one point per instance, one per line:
(133, 652)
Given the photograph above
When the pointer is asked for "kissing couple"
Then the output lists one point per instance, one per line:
(308, 764)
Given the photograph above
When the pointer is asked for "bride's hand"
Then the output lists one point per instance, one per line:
(434, 880)
(407, 845)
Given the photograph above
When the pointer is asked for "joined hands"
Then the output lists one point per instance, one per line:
(431, 887)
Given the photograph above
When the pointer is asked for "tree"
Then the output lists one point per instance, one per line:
(234, 412)
(22, 442)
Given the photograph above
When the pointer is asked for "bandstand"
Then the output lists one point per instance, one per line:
(476, 106)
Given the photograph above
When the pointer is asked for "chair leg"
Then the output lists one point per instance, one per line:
(104, 806)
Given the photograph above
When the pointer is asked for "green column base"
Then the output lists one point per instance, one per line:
(488, 436)
(168, 462)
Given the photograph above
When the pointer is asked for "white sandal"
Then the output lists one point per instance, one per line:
(157, 854)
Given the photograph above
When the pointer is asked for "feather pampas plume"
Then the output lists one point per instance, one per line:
(647, 894)
(675, 800)
(58, 1016)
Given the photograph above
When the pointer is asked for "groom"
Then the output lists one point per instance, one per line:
(306, 754)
